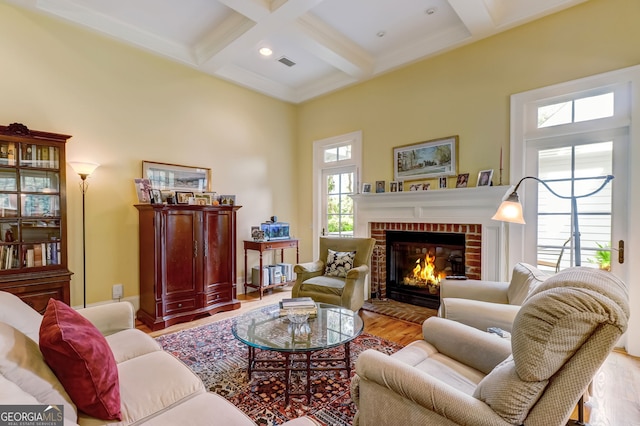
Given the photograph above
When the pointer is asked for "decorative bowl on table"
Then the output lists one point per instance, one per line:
(297, 317)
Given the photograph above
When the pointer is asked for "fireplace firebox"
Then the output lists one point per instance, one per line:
(417, 261)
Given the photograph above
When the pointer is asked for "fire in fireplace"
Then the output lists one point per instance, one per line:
(417, 261)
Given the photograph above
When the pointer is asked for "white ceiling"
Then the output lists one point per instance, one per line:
(334, 43)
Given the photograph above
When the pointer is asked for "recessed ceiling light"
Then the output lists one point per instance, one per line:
(265, 51)
(430, 11)
(381, 34)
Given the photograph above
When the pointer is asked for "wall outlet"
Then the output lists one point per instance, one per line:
(117, 291)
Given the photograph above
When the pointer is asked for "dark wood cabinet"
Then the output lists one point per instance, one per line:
(33, 243)
(187, 262)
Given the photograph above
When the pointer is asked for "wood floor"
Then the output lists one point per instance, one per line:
(616, 390)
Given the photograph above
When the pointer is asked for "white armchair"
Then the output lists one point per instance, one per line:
(458, 375)
(484, 304)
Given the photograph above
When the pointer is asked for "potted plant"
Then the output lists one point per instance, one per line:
(603, 257)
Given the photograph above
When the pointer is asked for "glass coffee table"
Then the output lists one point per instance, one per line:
(264, 329)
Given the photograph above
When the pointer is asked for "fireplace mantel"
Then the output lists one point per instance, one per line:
(454, 206)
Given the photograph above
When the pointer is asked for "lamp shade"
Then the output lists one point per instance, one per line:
(83, 168)
(510, 210)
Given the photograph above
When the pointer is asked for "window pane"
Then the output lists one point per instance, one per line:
(333, 204)
(552, 115)
(554, 164)
(346, 204)
(344, 152)
(330, 155)
(332, 188)
(346, 183)
(594, 159)
(594, 107)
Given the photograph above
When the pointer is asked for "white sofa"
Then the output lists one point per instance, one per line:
(155, 387)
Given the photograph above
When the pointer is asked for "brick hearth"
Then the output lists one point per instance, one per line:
(473, 245)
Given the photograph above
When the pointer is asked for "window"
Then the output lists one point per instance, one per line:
(336, 165)
(574, 170)
(571, 136)
(339, 187)
(575, 111)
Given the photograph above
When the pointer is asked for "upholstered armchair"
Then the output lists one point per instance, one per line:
(484, 304)
(459, 375)
(338, 277)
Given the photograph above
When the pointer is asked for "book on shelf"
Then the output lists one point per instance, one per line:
(304, 302)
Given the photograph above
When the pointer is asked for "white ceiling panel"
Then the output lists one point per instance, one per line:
(334, 43)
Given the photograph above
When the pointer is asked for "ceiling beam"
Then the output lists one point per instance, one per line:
(327, 44)
(282, 17)
(475, 16)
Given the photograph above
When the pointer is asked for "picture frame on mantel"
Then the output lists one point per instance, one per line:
(174, 177)
(426, 160)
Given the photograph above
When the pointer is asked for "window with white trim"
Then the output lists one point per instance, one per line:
(336, 165)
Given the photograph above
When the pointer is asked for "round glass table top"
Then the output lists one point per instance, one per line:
(264, 328)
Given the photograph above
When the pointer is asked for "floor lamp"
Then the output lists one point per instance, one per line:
(84, 170)
(511, 211)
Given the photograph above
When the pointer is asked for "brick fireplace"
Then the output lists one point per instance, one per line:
(456, 210)
(378, 230)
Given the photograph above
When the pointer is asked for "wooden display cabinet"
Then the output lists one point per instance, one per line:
(33, 243)
(187, 262)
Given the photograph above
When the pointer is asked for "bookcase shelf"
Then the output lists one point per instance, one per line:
(33, 246)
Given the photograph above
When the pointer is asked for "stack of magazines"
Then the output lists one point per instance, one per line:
(300, 305)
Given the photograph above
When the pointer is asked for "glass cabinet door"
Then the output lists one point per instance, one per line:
(30, 231)
(40, 156)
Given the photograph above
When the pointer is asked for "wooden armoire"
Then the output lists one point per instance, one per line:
(187, 262)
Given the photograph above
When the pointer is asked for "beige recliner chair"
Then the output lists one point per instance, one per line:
(459, 375)
(337, 279)
(484, 304)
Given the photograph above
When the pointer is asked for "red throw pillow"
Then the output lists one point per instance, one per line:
(80, 357)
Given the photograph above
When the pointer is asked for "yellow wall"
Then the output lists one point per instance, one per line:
(466, 92)
(123, 106)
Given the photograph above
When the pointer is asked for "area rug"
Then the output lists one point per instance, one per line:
(220, 361)
(403, 311)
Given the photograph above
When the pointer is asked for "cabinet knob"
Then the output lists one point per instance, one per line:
(179, 305)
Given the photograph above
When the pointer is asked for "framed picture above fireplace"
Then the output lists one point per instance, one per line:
(424, 160)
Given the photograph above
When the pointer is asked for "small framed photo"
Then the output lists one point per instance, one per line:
(380, 186)
(400, 186)
(415, 187)
(213, 198)
(463, 180)
(393, 186)
(203, 199)
(143, 189)
(227, 200)
(443, 182)
(156, 196)
(366, 188)
(426, 186)
(484, 177)
(182, 197)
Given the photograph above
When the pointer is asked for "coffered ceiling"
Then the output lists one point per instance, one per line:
(318, 45)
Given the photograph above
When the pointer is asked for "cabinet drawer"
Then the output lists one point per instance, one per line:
(180, 305)
(222, 295)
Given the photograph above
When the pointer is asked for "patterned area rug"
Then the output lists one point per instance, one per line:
(220, 360)
(403, 311)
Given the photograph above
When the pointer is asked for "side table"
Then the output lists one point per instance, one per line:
(263, 246)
